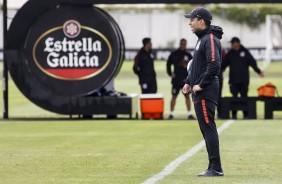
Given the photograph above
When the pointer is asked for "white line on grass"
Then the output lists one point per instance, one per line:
(170, 168)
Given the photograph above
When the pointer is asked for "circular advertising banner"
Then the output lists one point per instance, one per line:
(73, 49)
(69, 51)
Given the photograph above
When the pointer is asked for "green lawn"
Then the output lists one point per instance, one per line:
(132, 151)
(251, 153)
(37, 147)
(93, 152)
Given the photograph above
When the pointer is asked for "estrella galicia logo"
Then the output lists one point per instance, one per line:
(72, 52)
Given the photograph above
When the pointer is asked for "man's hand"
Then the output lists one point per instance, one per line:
(186, 89)
(196, 88)
(261, 75)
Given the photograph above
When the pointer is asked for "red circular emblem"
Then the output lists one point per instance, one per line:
(72, 28)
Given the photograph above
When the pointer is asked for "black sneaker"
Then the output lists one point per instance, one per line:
(170, 117)
(211, 172)
(191, 117)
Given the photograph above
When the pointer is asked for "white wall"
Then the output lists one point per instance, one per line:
(169, 27)
(165, 27)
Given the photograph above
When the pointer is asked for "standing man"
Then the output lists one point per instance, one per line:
(220, 77)
(144, 68)
(239, 59)
(179, 59)
(203, 82)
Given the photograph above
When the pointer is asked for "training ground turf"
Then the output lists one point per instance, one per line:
(132, 151)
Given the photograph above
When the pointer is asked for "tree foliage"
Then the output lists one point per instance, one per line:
(252, 15)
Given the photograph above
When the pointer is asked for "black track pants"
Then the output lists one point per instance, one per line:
(241, 89)
(205, 111)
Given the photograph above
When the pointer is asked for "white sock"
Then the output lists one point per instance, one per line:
(172, 113)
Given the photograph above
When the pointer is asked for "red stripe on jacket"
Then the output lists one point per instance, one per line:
(212, 47)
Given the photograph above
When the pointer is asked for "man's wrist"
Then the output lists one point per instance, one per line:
(202, 86)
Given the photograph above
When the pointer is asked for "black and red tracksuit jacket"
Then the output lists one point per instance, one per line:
(179, 59)
(206, 64)
(239, 63)
(144, 66)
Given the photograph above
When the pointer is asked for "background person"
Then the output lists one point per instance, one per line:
(220, 77)
(144, 68)
(239, 59)
(204, 84)
(179, 59)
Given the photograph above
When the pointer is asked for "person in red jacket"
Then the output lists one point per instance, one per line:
(203, 82)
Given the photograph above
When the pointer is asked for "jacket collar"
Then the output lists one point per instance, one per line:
(202, 32)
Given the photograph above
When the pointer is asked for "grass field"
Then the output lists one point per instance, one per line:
(58, 150)
(132, 151)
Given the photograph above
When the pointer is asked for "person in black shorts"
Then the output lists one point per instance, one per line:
(179, 59)
(144, 68)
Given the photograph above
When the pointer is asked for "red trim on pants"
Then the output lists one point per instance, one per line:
(205, 111)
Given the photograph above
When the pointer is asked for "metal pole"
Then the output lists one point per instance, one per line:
(5, 68)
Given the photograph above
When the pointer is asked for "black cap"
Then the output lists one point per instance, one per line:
(200, 12)
(235, 39)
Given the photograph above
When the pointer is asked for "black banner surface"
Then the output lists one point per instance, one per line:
(65, 52)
